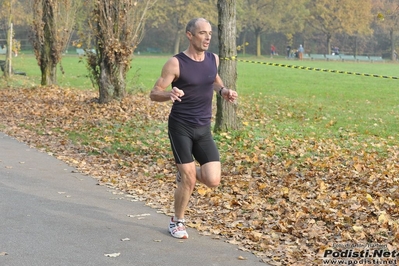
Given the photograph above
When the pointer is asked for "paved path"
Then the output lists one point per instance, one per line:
(51, 215)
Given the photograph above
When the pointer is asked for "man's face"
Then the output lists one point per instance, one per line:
(200, 39)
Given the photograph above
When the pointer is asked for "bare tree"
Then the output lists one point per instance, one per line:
(8, 64)
(260, 16)
(331, 18)
(387, 20)
(175, 14)
(118, 27)
(52, 26)
(226, 116)
(11, 13)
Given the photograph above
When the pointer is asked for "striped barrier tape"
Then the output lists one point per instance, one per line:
(311, 68)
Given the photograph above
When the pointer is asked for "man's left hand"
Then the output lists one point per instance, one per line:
(229, 95)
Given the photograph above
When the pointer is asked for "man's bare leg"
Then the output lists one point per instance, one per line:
(185, 187)
(208, 174)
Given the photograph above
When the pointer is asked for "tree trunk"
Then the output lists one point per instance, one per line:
(48, 71)
(244, 41)
(176, 46)
(226, 114)
(52, 24)
(47, 66)
(328, 43)
(392, 39)
(8, 63)
(106, 89)
(111, 85)
(117, 27)
(258, 43)
(356, 49)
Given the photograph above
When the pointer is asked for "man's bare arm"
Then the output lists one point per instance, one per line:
(170, 72)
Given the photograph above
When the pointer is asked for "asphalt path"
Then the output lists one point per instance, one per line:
(52, 215)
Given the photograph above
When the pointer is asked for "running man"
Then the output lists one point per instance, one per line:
(193, 76)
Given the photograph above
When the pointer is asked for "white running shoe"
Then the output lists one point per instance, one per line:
(178, 229)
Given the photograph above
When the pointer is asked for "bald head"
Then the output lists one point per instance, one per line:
(192, 24)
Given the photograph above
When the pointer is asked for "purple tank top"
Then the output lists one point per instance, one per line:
(196, 80)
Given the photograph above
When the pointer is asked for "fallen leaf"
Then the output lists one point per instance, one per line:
(383, 218)
(112, 255)
(357, 228)
(369, 198)
(138, 215)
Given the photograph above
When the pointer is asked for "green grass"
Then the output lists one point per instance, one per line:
(73, 72)
(309, 101)
(293, 101)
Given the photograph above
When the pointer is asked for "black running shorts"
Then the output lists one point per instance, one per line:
(188, 141)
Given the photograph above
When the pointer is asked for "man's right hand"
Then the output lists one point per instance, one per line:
(176, 94)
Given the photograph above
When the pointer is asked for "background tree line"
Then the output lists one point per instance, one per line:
(366, 28)
(369, 28)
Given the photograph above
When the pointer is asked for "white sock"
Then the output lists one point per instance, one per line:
(175, 219)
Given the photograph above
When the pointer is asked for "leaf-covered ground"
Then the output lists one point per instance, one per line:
(285, 199)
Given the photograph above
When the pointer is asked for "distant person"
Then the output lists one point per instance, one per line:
(288, 50)
(300, 52)
(335, 50)
(272, 50)
(395, 55)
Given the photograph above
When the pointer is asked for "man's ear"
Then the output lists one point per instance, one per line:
(189, 35)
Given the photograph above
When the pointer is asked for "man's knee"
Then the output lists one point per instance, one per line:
(212, 181)
(187, 178)
(209, 174)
